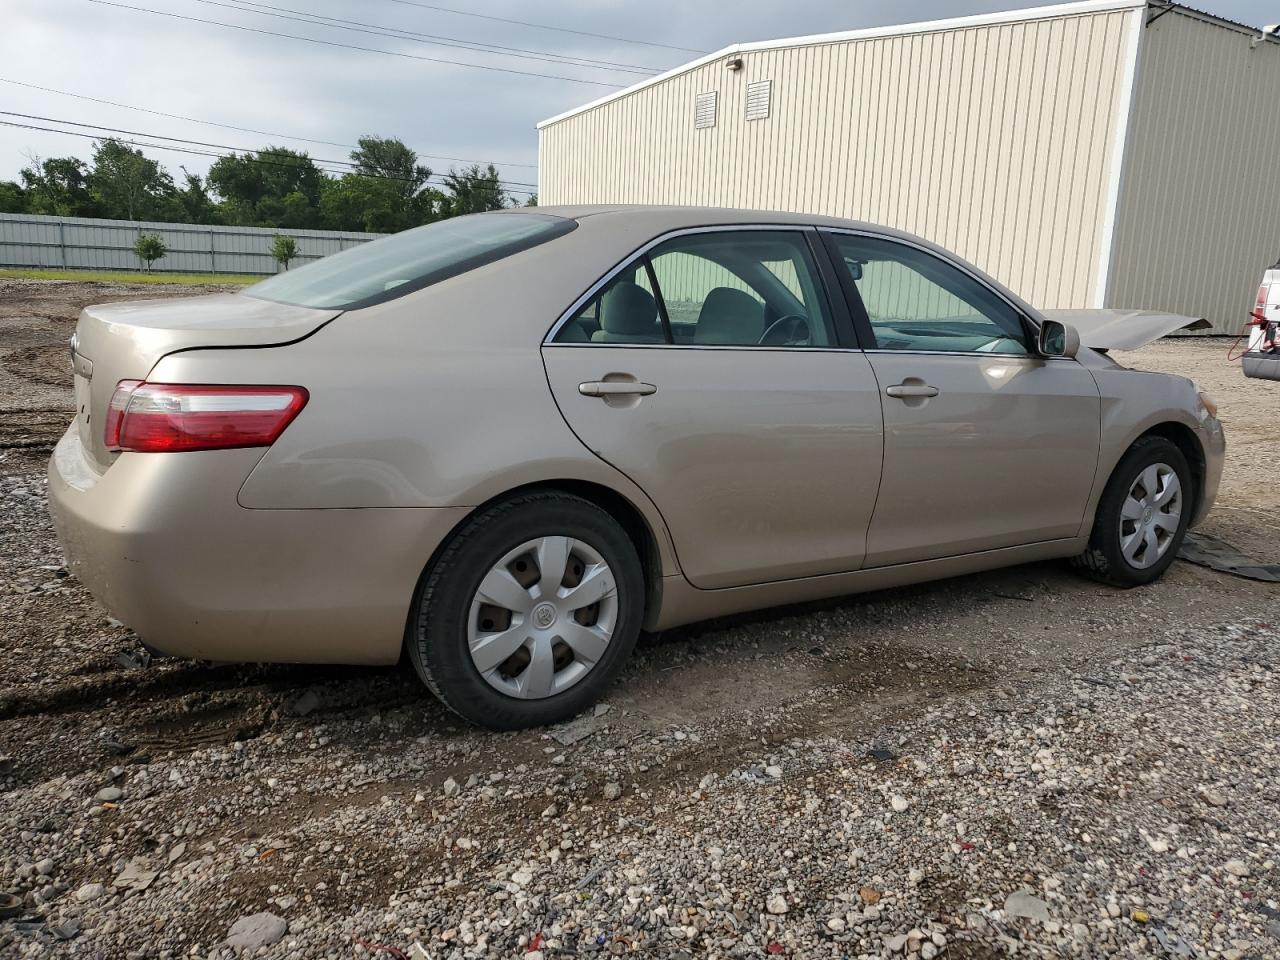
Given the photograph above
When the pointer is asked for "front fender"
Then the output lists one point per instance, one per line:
(1136, 403)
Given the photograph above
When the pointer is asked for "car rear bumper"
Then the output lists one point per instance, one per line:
(160, 541)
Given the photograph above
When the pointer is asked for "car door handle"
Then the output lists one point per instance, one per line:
(616, 388)
(905, 390)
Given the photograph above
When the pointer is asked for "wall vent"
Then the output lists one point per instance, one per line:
(704, 109)
(758, 93)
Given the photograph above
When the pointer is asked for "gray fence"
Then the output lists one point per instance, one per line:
(79, 243)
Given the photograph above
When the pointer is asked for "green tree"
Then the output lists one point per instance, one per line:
(126, 185)
(387, 191)
(390, 158)
(272, 187)
(358, 202)
(149, 248)
(194, 201)
(295, 210)
(283, 249)
(396, 165)
(532, 201)
(13, 199)
(473, 190)
(353, 202)
(58, 187)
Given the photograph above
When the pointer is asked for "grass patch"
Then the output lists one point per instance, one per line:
(126, 276)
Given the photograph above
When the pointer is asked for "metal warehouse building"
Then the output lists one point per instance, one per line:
(1106, 153)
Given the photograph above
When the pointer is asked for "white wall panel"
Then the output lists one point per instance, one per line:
(1199, 214)
(993, 139)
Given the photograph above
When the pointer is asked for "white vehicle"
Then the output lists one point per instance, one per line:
(1262, 359)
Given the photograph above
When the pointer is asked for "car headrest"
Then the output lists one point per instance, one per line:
(628, 309)
(730, 316)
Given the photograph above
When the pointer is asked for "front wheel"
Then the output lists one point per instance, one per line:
(529, 612)
(1142, 516)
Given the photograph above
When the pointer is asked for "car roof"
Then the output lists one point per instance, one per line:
(652, 220)
(676, 217)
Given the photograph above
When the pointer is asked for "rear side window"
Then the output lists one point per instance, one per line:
(749, 288)
(625, 311)
(404, 262)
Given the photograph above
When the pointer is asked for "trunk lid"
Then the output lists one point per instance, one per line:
(123, 341)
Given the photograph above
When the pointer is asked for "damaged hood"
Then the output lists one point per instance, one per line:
(1124, 329)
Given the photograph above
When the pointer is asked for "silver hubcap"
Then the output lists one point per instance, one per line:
(542, 617)
(1150, 515)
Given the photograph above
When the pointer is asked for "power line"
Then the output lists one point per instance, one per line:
(228, 126)
(248, 159)
(195, 143)
(435, 179)
(219, 146)
(160, 146)
(398, 33)
(352, 46)
(545, 26)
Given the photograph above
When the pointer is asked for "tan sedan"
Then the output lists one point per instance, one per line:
(506, 443)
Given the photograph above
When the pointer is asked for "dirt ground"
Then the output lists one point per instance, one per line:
(76, 714)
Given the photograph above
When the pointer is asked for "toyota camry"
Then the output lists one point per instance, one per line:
(502, 445)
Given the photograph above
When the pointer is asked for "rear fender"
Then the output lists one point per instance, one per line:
(377, 434)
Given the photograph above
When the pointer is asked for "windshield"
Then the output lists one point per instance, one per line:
(393, 266)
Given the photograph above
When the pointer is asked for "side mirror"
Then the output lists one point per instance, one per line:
(1058, 339)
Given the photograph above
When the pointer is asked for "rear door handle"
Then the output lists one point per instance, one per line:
(616, 388)
(905, 390)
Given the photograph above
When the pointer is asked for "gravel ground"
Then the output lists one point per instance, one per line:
(1020, 762)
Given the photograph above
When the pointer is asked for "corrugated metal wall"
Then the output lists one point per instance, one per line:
(993, 140)
(77, 243)
(684, 276)
(1199, 215)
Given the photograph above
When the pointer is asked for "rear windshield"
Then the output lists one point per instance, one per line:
(392, 266)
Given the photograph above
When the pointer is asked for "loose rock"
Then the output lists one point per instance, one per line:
(1023, 904)
(256, 931)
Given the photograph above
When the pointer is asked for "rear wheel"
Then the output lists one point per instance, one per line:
(529, 612)
(1142, 516)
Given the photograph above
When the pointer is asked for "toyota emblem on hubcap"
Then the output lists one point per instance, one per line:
(544, 615)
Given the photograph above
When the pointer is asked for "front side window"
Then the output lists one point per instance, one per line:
(392, 266)
(723, 288)
(918, 302)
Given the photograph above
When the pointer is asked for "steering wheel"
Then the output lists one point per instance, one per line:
(785, 331)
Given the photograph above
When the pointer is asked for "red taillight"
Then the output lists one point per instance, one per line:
(1263, 292)
(176, 417)
(115, 411)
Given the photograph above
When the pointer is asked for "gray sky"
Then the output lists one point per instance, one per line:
(307, 90)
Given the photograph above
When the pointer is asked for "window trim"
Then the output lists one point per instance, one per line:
(664, 318)
(862, 321)
(837, 307)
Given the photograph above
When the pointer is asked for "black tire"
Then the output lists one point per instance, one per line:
(1104, 560)
(437, 641)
